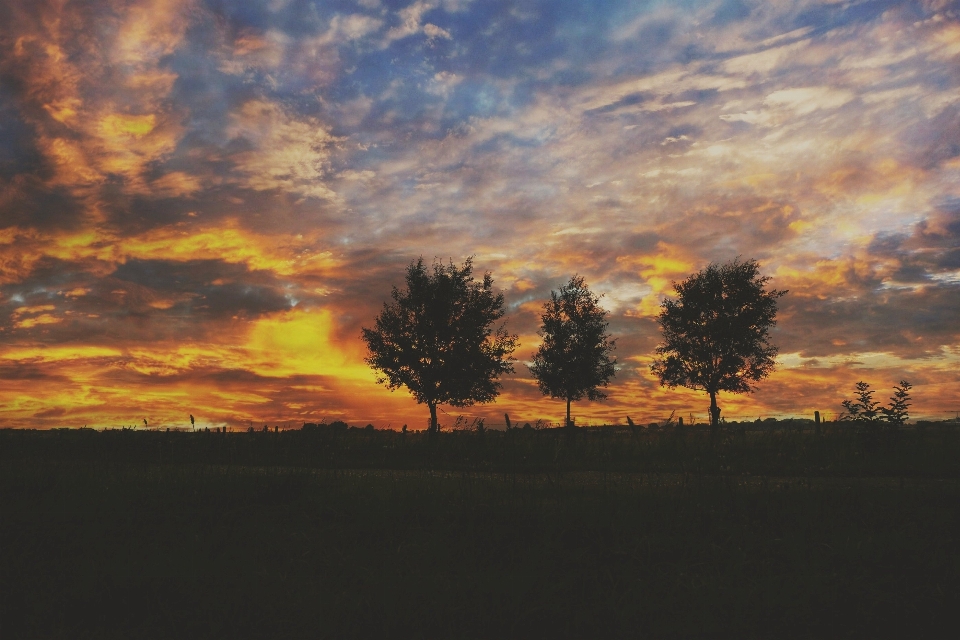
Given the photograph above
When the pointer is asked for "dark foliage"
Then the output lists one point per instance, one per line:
(864, 408)
(573, 360)
(897, 411)
(716, 333)
(437, 338)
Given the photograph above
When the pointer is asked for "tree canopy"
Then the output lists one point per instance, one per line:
(716, 331)
(437, 337)
(573, 360)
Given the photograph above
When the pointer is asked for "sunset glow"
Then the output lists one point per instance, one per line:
(202, 203)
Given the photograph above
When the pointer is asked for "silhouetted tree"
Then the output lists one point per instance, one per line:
(864, 408)
(716, 332)
(573, 360)
(437, 338)
(896, 412)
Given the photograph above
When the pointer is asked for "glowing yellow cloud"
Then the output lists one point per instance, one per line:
(98, 131)
(830, 278)
(301, 342)
(659, 271)
(37, 309)
(40, 353)
(283, 254)
(64, 110)
(44, 318)
(118, 125)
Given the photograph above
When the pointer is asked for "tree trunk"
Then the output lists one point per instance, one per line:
(434, 427)
(714, 411)
(568, 411)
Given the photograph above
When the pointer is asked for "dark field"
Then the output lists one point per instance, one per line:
(599, 533)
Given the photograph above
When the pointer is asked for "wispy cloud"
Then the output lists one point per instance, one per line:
(278, 151)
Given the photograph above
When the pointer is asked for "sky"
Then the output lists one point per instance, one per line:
(203, 202)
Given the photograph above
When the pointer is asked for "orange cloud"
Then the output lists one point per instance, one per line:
(283, 254)
(833, 278)
(289, 368)
(659, 270)
(58, 354)
(90, 136)
(43, 318)
(149, 30)
(304, 342)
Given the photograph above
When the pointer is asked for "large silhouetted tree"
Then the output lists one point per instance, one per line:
(437, 337)
(573, 360)
(716, 332)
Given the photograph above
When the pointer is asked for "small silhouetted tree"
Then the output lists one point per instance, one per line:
(573, 360)
(864, 408)
(716, 332)
(437, 338)
(896, 412)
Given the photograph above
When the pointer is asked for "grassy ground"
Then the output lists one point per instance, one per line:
(539, 536)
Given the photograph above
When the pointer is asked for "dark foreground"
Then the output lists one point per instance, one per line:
(543, 535)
